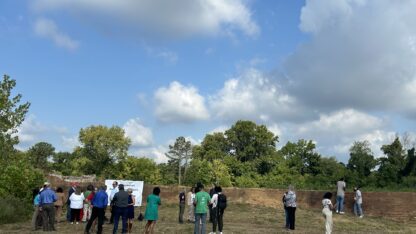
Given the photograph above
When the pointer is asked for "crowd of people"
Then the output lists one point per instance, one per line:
(89, 206)
(289, 204)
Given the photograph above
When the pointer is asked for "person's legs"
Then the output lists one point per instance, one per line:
(291, 211)
(45, 219)
(220, 220)
(51, 217)
(93, 217)
(152, 226)
(204, 220)
(35, 217)
(341, 205)
(359, 210)
(214, 219)
(68, 213)
(112, 211)
(197, 220)
(337, 204)
(287, 217)
(124, 219)
(328, 220)
(100, 213)
(181, 211)
(116, 218)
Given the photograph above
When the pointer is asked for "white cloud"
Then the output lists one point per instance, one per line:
(167, 55)
(178, 103)
(156, 153)
(255, 96)
(361, 55)
(172, 18)
(48, 29)
(70, 143)
(140, 135)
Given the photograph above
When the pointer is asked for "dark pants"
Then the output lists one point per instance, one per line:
(217, 219)
(181, 211)
(96, 213)
(48, 217)
(286, 217)
(68, 212)
(75, 215)
(120, 211)
(291, 213)
(112, 211)
(210, 213)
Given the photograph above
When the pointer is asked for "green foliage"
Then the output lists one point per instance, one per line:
(39, 154)
(391, 166)
(248, 141)
(302, 156)
(101, 148)
(11, 116)
(246, 181)
(142, 169)
(214, 146)
(180, 152)
(13, 210)
(199, 171)
(61, 162)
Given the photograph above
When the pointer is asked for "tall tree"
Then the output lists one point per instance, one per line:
(249, 141)
(40, 153)
(214, 146)
(12, 115)
(302, 156)
(361, 159)
(180, 152)
(392, 165)
(103, 146)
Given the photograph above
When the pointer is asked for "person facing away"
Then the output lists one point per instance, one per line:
(71, 190)
(182, 199)
(341, 186)
(77, 201)
(99, 203)
(190, 202)
(113, 192)
(151, 214)
(211, 193)
(87, 209)
(59, 204)
(121, 202)
(219, 203)
(286, 212)
(358, 201)
(130, 209)
(202, 200)
(290, 200)
(37, 215)
(47, 199)
(327, 212)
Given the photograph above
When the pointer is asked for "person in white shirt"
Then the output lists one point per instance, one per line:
(77, 203)
(358, 211)
(114, 190)
(219, 204)
(190, 203)
(327, 212)
(341, 185)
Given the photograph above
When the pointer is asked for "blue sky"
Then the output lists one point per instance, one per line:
(331, 71)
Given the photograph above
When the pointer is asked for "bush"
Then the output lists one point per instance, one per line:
(13, 210)
(246, 182)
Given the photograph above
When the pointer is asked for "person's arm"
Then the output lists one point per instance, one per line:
(159, 202)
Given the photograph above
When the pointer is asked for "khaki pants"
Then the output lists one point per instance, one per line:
(58, 213)
(191, 216)
(328, 220)
(86, 213)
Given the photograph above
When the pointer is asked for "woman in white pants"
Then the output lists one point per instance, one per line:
(327, 212)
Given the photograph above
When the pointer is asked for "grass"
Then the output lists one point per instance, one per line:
(243, 218)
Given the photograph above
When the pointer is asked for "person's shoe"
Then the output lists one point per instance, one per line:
(77, 223)
(72, 222)
(361, 216)
(341, 212)
(337, 212)
(220, 232)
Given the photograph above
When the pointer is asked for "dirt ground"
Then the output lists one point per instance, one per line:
(243, 218)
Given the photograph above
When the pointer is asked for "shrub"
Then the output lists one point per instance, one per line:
(13, 210)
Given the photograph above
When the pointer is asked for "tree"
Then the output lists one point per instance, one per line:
(361, 159)
(391, 166)
(249, 141)
(62, 162)
(214, 146)
(40, 153)
(180, 152)
(143, 169)
(11, 116)
(103, 147)
(302, 156)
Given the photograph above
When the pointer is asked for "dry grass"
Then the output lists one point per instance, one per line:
(243, 218)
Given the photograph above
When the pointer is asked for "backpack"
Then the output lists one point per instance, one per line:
(222, 201)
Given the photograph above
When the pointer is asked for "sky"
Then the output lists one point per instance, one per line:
(333, 72)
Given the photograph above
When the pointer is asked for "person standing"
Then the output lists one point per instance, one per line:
(341, 185)
(327, 212)
(151, 214)
(121, 201)
(211, 194)
(202, 200)
(114, 190)
(219, 203)
(99, 203)
(36, 213)
(286, 212)
(71, 190)
(181, 205)
(130, 209)
(59, 204)
(358, 201)
(191, 207)
(46, 204)
(87, 204)
(290, 200)
(77, 201)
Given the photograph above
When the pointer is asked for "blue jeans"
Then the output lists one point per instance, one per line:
(357, 209)
(203, 218)
(340, 203)
(120, 211)
(287, 218)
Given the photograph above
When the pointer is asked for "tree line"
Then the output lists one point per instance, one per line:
(245, 155)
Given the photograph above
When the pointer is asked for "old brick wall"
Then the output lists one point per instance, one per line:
(393, 205)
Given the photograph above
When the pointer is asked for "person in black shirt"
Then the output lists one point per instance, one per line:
(181, 205)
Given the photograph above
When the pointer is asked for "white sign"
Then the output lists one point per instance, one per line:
(136, 186)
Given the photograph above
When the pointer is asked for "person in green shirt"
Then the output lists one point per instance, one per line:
(201, 202)
(151, 213)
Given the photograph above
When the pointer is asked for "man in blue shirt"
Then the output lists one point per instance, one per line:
(99, 203)
(47, 198)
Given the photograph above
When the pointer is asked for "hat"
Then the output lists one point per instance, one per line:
(46, 183)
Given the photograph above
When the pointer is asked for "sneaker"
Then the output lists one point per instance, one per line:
(77, 223)
(341, 212)
(220, 232)
(72, 222)
(337, 212)
(361, 216)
